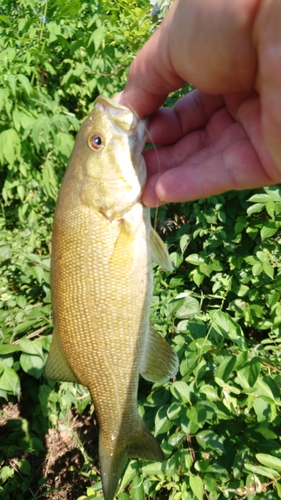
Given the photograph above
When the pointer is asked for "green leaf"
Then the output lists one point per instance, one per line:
(5, 251)
(177, 259)
(228, 328)
(263, 471)
(177, 439)
(24, 466)
(210, 391)
(10, 146)
(189, 308)
(12, 83)
(31, 364)
(197, 276)
(268, 269)
(136, 489)
(21, 327)
(174, 411)
(130, 473)
(249, 373)
(274, 193)
(120, 496)
(97, 37)
(8, 349)
(25, 84)
(271, 208)
(4, 19)
(9, 381)
(269, 461)
(6, 472)
(257, 269)
(31, 347)
(206, 268)
(184, 241)
(257, 207)
(196, 484)
(226, 367)
(269, 229)
(40, 132)
(262, 256)
(162, 423)
(173, 306)
(240, 224)
(263, 390)
(197, 414)
(21, 192)
(38, 273)
(181, 391)
(195, 259)
(260, 198)
(166, 468)
(189, 364)
(209, 439)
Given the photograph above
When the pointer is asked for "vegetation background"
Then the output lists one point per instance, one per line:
(218, 422)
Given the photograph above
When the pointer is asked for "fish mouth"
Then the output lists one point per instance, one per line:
(124, 117)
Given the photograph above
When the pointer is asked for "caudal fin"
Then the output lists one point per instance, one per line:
(141, 445)
(112, 465)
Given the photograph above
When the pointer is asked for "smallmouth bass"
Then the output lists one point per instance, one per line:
(101, 283)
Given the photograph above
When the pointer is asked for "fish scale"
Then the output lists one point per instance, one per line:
(101, 284)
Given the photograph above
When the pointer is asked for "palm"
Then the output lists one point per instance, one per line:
(209, 144)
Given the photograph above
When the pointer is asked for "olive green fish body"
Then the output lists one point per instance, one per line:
(101, 281)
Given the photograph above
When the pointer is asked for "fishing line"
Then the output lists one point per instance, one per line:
(148, 135)
(153, 146)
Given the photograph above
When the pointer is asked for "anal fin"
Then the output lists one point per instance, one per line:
(160, 360)
(57, 366)
(144, 445)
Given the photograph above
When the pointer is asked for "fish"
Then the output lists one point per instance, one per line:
(101, 285)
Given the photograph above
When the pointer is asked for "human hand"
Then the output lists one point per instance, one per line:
(210, 144)
(227, 134)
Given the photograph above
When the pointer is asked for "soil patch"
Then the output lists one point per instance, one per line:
(56, 471)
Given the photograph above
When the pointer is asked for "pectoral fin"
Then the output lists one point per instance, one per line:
(159, 251)
(57, 366)
(160, 360)
(123, 254)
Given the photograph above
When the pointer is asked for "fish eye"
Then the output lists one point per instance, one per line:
(95, 142)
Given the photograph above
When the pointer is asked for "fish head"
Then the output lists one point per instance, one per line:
(107, 158)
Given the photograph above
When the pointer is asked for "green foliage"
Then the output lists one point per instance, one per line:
(222, 306)
(218, 421)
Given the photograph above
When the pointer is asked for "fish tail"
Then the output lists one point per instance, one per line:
(141, 445)
(112, 465)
